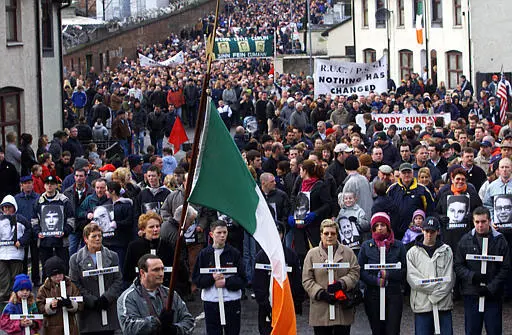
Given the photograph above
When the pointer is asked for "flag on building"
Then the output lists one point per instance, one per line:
(503, 93)
(178, 135)
(419, 22)
(223, 182)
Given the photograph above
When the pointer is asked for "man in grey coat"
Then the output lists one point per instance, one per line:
(299, 118)
(141, 308)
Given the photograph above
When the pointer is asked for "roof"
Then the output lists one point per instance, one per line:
(327, 31)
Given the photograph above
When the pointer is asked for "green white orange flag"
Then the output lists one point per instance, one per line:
(419, 22)
(223, 182)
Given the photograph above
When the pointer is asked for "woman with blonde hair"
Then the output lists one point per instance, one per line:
(425, 179)
(123, 176)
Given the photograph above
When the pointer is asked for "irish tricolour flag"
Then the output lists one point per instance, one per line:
(419, 22)
(222, 182)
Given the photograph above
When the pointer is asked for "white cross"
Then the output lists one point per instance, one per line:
(435, 309)
(330, 266)
(219, 269)
(100, 271)
(166, 268)
(383, 266)
(484, 258)
(268, 267)
(65, 315)
(25, 315)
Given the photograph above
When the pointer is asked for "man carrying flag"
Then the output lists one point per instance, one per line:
(503, 93)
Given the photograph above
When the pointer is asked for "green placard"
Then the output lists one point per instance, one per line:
(244, 47)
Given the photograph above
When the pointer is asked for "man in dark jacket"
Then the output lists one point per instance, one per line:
(85, 212)
(277, 200)
(337, 167)
(476, 284)
(139, 120)
(59, 138)
(192, 95)
(9, 177)
(152, 197)
(156, 127)
(99, 111)
(121, 131)
(73, 145)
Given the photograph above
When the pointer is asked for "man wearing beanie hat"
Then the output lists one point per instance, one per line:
(53, 309)
(359, 185)
(383, 236)
(431, 258)
(409, 196)
(80, 163)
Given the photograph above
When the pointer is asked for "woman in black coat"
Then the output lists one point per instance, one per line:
(307, 231)
(28, 157)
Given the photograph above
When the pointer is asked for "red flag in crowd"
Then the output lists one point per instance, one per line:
(502, 93)
(178, 135)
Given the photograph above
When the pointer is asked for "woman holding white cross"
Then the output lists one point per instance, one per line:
(330, 271)
(383, 269)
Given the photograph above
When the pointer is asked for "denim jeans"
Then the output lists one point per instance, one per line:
(138, 142)
(75, 242)
(474, 320)
(424, 323)
(158, 144)
(124, 145)
(249, 255)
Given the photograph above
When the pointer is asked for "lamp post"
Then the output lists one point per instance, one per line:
(309, 39)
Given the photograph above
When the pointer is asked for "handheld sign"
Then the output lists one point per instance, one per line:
(435, 309)
(484, 258)
(100, 272)
(268, 267)
(330, 266)
(383, 266)
(25, 315)
(219, 269)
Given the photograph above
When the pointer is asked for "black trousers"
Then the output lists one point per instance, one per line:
(45, 253)
(264, 326)
(332, 330)
(212, 318)
(394, 306)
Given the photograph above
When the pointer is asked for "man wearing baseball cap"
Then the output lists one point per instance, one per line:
(431, 258)
(337, 167)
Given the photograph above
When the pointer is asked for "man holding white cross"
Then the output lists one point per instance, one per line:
(219, 273)
(92, 266)
(430, 274)
(330, 271)
(482, 283)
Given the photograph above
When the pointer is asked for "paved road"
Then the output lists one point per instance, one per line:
(360, 326)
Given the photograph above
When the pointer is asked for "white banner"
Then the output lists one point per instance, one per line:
(344, 78)
(148, 62)
(402, 121)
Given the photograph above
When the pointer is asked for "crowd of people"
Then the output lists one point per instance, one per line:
(427, 197)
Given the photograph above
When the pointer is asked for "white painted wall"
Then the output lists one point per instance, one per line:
(338, 39)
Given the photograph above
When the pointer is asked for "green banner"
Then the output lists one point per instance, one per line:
(244, 47)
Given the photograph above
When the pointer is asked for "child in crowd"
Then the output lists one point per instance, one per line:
(415, 227)
(52, 310)
(357, 223)
(169, 161)
(37, 177)
(94, 157)
(22, 289)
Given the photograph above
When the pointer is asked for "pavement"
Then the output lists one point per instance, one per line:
(360, 326)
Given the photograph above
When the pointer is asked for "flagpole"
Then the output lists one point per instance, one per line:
(195, 151)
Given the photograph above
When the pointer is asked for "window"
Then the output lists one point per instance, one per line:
(437, 13)
(369, 55)
(11, 20)
(365, 13)
(9, 112)
(457, 13)
(400, 12)
(380, 14)
(454, 68)
(405, 63)
(47, 27)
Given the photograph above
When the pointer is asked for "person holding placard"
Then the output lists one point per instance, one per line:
(477, 283)
(431, 277)
(390, 278)
(322, 293)
(86, 259)
(51, 303)
(22, 291)
(220, 291)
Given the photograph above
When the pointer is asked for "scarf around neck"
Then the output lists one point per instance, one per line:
(308, 184)
(459, 190)
(384, 240)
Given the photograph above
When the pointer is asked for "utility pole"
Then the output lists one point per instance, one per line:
(309, 39)
(86, 8)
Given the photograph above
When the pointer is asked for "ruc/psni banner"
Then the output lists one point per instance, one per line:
(345, 78)
(244, 47)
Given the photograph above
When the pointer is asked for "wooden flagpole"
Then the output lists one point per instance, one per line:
(195, 152)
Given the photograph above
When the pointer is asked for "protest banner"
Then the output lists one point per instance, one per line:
(402, 121)
(345, 78)
(244, 47)
(148, 62)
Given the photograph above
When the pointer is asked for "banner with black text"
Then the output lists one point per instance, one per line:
(345, 78)
(244, 47)
(402, 121)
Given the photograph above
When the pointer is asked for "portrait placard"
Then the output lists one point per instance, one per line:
(457, 210)
(301, 207)
(8, 230)
(503, 212)
(52, 220)
(104, 217)
(349, 234)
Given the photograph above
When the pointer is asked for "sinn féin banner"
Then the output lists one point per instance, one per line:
(402, 121)
(344, 78)
(244, 47)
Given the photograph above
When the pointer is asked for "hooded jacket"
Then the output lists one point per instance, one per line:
(147, 196)
(15, 231)
(69, 220)
(421, 266)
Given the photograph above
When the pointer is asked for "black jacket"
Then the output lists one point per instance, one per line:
(385, 204)
(139, 119)
(28, 159)
(145, 197)
(230, 257)
(497, 272)
(477, 177)
(156, 124)
(337, 170)
(281, 202)
(123, 216)
(10, 179)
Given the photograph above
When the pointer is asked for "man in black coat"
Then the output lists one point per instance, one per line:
(476, 175)
(276, 199)
(73, 145)
(9, 176)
